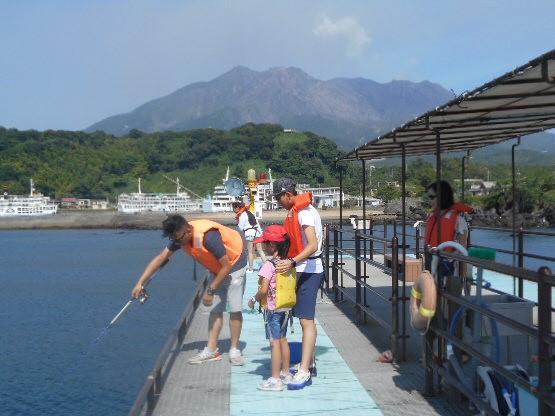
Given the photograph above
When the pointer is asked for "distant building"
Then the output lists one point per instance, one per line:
(289, 130)
(78, 203)
(100, 204)
(479, 187)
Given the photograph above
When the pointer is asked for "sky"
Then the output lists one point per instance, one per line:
(66, 64)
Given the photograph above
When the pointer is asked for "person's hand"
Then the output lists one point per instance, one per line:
(207, 299)
(252, 302)
(137, 290)
(284, 266)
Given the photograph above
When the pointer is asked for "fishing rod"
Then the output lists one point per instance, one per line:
(142, 298)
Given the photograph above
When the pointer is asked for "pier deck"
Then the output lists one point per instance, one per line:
(349, 381)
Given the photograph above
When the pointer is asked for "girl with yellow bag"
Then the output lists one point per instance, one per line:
(276, 294)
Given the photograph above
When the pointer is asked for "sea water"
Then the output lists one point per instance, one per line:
(60, 289)
(58, 292)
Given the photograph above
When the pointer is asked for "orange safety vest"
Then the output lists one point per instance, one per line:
(293, 226)
(448, 224)
(232, 240)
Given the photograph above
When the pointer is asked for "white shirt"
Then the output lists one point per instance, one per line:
(309, 216)
(245, 226)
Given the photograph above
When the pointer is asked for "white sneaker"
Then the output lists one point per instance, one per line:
(235, 357)
(204, 356)
(285, 377)
(300, 380)
(271, 384)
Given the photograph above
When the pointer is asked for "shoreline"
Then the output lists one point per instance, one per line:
(151, 220)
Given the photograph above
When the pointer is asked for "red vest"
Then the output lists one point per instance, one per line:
(232, 240)
(293, 226)
(448, 224)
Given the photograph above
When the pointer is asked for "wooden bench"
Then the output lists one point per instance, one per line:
(413, 267)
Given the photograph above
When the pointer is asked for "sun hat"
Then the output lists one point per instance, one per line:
(276, 233)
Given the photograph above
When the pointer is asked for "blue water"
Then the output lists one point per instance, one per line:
(58, 292)
(60, 289)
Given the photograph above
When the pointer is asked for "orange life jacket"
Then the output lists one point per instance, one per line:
(232, 240)
(293, 226)
(448, 224)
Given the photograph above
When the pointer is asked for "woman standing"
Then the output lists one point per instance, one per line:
(248, 224)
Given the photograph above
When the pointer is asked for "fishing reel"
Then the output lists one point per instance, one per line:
(143, 297)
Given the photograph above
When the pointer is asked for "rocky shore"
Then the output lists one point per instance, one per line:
(150, 220)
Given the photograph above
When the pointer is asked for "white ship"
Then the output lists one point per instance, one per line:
(220, 200)
(137, 202)
(22, 205)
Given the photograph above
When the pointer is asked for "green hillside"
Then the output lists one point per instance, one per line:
(66, 163)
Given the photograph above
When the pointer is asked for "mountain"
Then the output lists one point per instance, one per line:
(350, 111)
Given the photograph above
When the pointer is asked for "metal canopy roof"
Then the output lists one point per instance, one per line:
(518, 103)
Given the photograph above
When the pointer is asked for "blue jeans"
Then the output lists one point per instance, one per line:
(275, 324)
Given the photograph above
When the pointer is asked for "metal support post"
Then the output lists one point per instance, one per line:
(404, 240)
(395, 298)
(358, 295)
(544, 348)
(334, 271)
(520, 261)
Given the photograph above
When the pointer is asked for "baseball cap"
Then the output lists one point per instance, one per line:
(283, 185)
(275, 233)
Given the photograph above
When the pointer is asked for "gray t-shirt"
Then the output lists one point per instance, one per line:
(214, 244)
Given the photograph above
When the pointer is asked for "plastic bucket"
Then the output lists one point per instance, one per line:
(296, 349)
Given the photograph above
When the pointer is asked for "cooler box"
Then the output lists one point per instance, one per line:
(527, 402)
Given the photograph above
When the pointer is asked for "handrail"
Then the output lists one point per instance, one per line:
(149, 393)
(360, 255)
(542, 333)
(509, 230)
(493, 266)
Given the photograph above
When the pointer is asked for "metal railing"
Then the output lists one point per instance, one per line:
(150, 392)
(435, 358)
(335, 272)
(519, 254)
(356, 243)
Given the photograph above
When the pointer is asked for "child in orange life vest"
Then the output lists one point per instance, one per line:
(275, 243)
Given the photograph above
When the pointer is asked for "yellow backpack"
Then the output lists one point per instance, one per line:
(286, 290)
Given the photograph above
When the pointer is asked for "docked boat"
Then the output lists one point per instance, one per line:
(34, 204)
(220, 200)
(137, 202)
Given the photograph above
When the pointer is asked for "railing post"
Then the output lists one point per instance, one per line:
(326, 254)
(358, 295)
(150, 398)
(335, 264)
(395, 297)
(428, 348)
(417, 242)
(544, 349)
(371, 241)
(384, 237)
(520, 261)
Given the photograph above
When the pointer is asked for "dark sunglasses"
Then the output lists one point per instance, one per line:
(180, 238)
(431, 196)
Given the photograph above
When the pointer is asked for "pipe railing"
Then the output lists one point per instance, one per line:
(542, 334)
(362, 257)
(150, 392)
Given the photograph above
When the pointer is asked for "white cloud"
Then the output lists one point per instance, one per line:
(346, 28)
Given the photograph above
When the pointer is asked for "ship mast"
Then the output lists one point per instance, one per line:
(179, 186)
